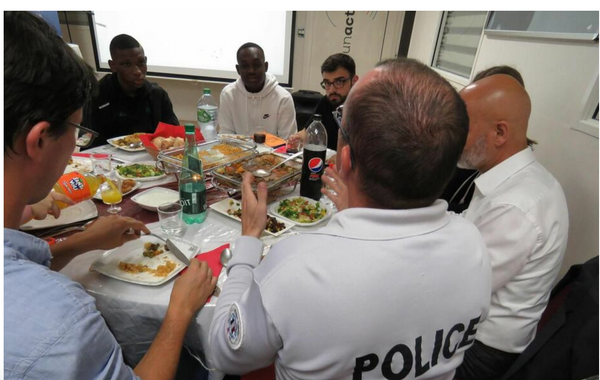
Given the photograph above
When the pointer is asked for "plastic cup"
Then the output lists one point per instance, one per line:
(169, 215)
(294, 146)
(101, 163)
(259, 135)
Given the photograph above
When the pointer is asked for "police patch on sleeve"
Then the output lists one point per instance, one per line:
(235, 331)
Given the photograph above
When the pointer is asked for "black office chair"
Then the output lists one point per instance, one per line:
(566, 343)
(305, 102)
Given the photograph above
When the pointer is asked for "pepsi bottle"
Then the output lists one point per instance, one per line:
(313, 161)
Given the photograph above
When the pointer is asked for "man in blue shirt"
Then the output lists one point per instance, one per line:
(52, 329)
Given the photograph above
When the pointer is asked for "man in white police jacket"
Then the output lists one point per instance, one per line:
(394, 287)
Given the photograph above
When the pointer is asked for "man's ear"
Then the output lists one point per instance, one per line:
(501, 132)
(266, 66)
(112, 65)
(237, 68)
(354, 80)
(343, 162)
(37, 140)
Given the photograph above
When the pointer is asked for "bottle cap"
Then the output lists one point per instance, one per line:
(317, 117)
(189, 128)
(207, 90)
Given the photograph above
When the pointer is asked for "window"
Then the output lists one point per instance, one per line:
(458, 40)
(588, 120)
(580, 25)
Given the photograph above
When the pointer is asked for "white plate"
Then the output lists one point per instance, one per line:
(154, 197)
(80, 164)
(275, 205)
(134, 188)
(131, 252)
(125, 148)
(141, 179)
(224, 205)
(76, 213)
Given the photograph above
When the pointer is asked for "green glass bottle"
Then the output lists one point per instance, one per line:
(192, 189)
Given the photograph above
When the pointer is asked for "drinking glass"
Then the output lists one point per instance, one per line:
(111, 194)
(260, 136)
(169, 215)
(101, 163)
(293, 146)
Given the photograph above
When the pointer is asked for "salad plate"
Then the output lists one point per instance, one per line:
(232, 208)
(301, 210)
(140, 171)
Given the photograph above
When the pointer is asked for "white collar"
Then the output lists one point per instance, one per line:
(490, 180)
(380, 224)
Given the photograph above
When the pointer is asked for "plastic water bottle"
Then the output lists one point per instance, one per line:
(208, 115)
(313, 160)
(192, 189)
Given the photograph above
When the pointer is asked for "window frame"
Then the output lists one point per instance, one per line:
(589, 104)
(453, 77)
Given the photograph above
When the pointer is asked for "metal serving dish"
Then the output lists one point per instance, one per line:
(231, 174)
(219, 152)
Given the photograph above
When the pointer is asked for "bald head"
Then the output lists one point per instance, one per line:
(499, 109)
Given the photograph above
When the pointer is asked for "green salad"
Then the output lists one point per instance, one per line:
(139, 171)
(301, 210)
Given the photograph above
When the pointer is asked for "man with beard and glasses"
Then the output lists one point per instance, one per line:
(521, 212)
(339, 75)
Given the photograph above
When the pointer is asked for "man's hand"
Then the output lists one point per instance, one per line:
(48, 206)
(300, 136)
(192, 289)
(112, 231)
(254, 211)
(337, 190)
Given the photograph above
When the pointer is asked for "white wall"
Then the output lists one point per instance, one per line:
(557, 75)
(375, 35)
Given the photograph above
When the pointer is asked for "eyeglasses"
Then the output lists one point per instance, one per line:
(337, 116)
(337, 83)
(84, 135)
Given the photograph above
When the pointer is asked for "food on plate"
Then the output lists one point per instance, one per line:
(301, 210)
(129, 139)
(236, 170)
(127, 185)
(160, 271)
(273, 225)
(139, 171)
(163, 143)
(82, 166)
(151, 250)
(211, 157)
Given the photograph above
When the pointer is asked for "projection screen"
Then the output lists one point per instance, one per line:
(198, 45)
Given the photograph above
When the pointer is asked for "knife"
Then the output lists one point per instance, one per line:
(177, 252)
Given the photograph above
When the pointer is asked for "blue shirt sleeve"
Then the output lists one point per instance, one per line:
(87, 350)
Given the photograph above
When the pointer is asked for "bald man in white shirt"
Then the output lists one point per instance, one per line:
(521, 212)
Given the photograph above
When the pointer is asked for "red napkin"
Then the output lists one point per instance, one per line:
(88, 155)
(281, 149)
(213, 259)
(167, 130)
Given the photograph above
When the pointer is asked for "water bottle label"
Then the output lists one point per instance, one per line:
(193, 202)
(203, 116)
